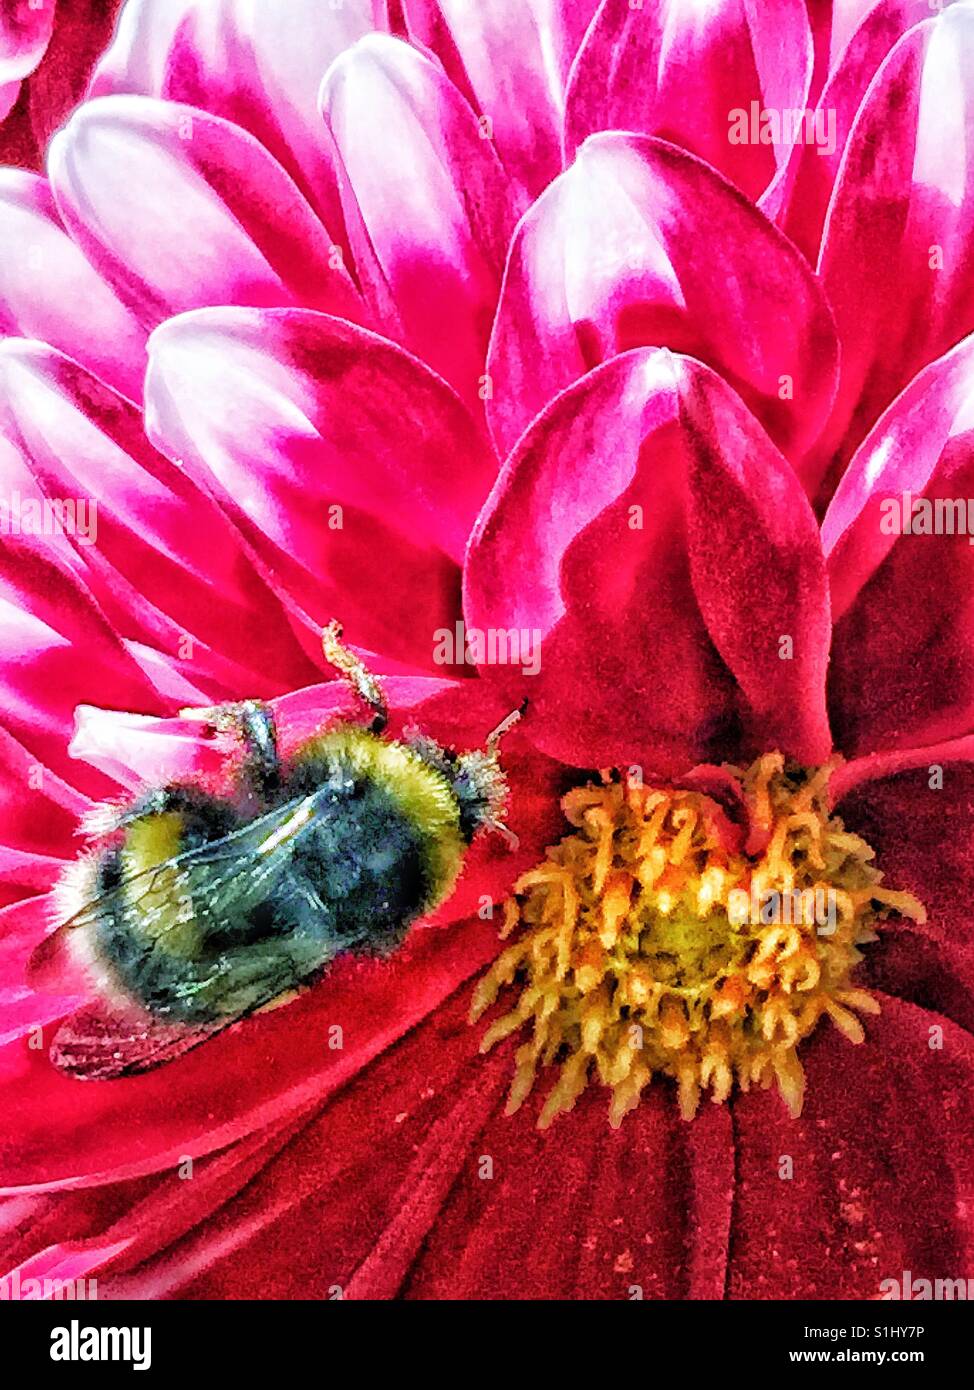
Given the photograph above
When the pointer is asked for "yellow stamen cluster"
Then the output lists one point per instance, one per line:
(652, 940)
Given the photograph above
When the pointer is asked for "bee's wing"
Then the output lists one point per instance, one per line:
(237, 866)
(105, 1040)
(117, 1036)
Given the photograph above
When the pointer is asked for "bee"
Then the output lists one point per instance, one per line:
(198, 909)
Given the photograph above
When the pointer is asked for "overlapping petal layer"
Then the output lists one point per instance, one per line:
(639, 243)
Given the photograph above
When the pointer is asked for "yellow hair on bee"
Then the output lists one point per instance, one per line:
(149, 842)
(422, 794)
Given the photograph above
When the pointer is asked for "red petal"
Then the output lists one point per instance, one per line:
(259, 65)
(920, 823)
(154, 551)
(387, 1193)
(430, 215)
(881, 1168)
(60, 649)
(44, 278)
(512, 63)
(25, 31)
(857, 55)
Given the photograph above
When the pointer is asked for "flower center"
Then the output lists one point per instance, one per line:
(656, 940)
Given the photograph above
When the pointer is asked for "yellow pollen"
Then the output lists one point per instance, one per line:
(652, 942)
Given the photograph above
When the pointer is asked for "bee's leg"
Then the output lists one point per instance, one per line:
(359, 677)
(252, 723)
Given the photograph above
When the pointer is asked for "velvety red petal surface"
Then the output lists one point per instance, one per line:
(917, 815)
(881, 1171)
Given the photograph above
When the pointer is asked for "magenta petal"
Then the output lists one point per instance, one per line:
(259, 65)
(43, 280)
(902, 671)
(25, 31)
(429, 215)
(59, 650)
(38, 811)
(179, 209)
(858, 53)
(156, 553)
(352, 471)
(653, 461)
(895, 259)
(682, 71)
(636, 245)
(511, 61)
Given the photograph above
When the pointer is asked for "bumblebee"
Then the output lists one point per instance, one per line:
(198, 909)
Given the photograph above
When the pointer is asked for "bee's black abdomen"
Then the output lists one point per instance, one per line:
(368, 861)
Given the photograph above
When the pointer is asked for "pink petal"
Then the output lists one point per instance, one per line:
(352, 471)
(60, 1133)
(902, 604)
(60, 650)
(9, 92)
(165, 565)
(259, 65)
(38, 811)
(895, 261)
(429, 215)
(684, 72)
(43, 279)
(179, 209)
(638, 243)
(651, 460)
(25, 31)
(858, 53)
(512, 64)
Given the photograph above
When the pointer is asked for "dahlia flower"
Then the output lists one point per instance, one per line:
(456, 323)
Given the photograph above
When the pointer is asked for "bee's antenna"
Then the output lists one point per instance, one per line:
(354, 670)
(505, 726)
